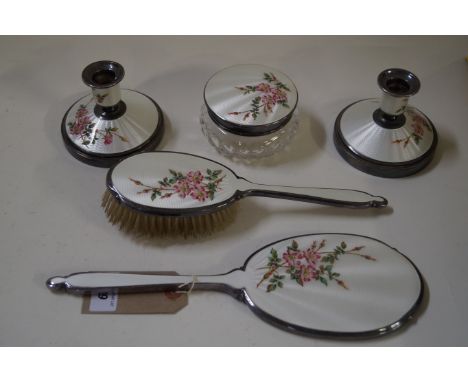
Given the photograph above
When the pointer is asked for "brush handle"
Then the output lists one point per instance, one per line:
(133, 282)
(328, 196)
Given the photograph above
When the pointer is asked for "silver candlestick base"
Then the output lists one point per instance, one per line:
(110, 124)
(387, 137)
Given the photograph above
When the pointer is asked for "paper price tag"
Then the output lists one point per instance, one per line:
(104, 301)
(110, 302)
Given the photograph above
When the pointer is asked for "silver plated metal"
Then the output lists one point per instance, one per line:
(387, 137)
(111, 123)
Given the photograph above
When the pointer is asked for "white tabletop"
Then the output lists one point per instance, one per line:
(51, 222)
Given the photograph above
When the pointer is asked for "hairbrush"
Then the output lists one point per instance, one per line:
(169, 192)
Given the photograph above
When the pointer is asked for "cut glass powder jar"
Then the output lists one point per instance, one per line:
(249, 111)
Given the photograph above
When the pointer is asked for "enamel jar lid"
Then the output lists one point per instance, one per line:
(250, 100)
(110, 124)
(387, 137)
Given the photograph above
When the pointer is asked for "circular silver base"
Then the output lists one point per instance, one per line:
(383, 151)
(101, 141)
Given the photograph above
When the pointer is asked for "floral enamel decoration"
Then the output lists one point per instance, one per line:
(100, 97)
(194, 184)
(307, 265)
(270, 93)
(419, 126)
(84, 128)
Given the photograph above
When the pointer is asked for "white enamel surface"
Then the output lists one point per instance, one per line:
(89, 280)
(223, 97)
(149, 168)
(323, 193)
(121, 280)
(380, 292)
(393, 105)
(367, 138)
(136, 125)
(108, 96)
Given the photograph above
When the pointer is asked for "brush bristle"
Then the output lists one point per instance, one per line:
(138, 223)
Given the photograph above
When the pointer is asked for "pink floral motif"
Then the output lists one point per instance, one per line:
(419, 126)
(194, 184)
(199, 192)
(182, 188)
(85, 129)
(272, 92)
(307, 265)
(108, 138)
(82, 120)
(195, 177)
(262, 87)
